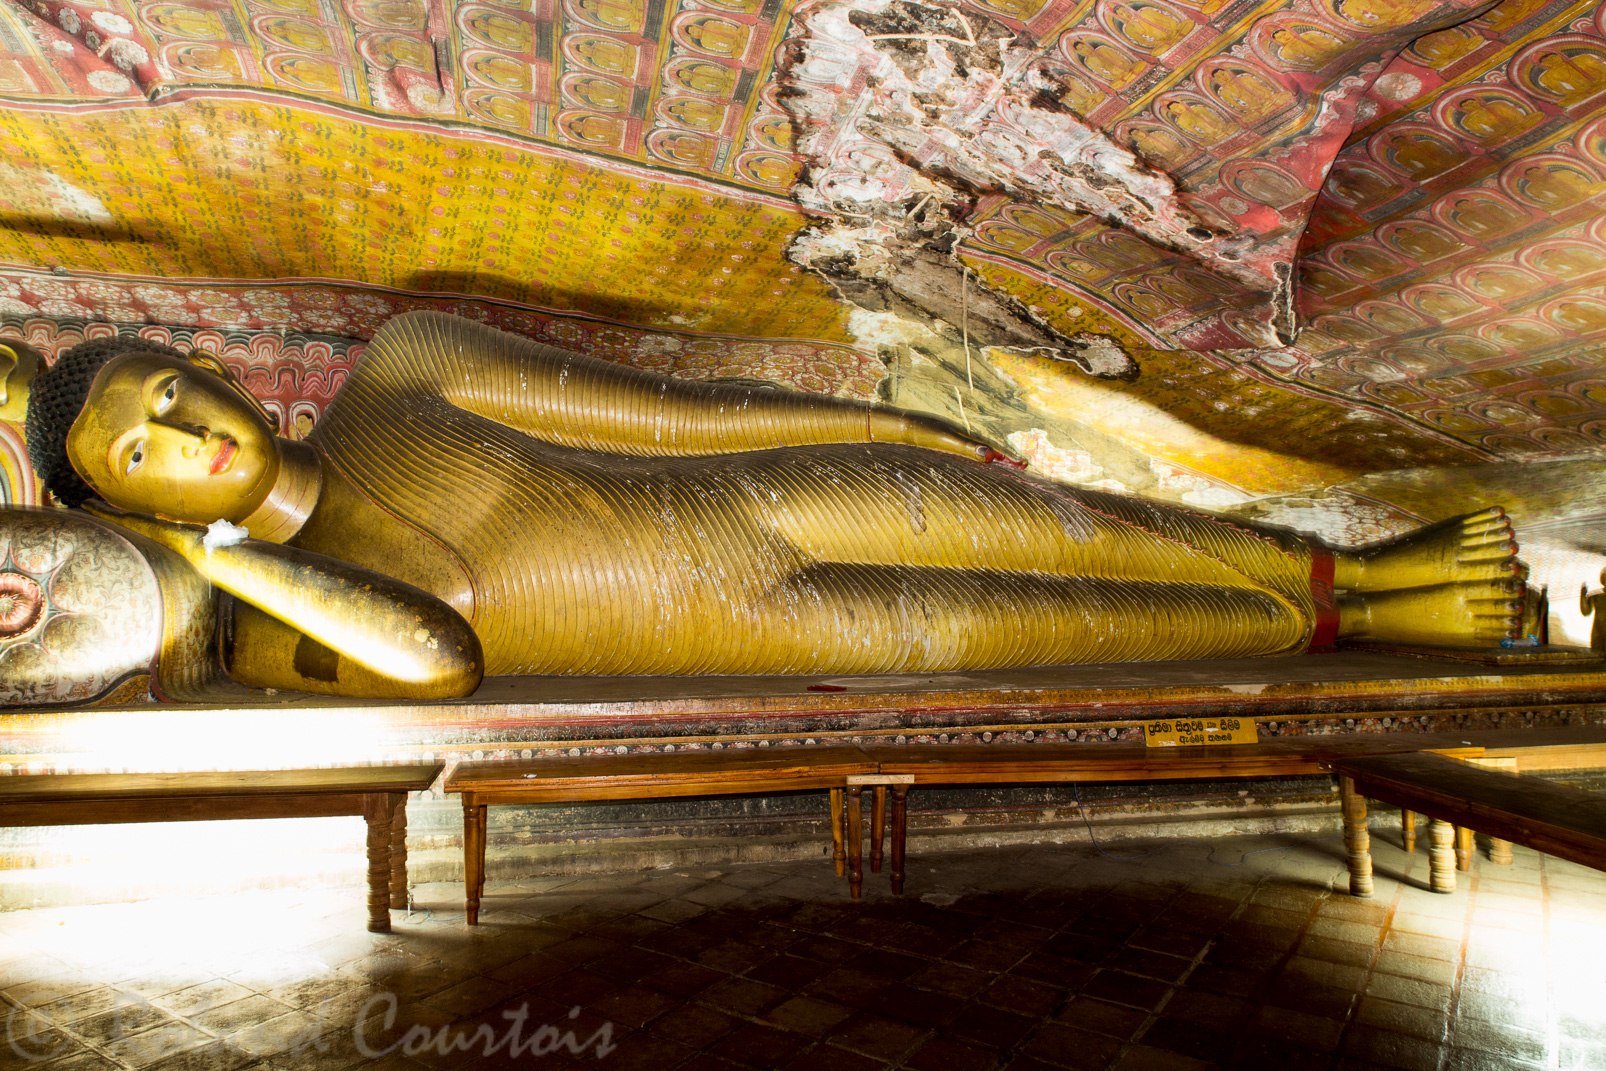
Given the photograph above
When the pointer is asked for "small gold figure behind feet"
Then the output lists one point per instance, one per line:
(1594, 603)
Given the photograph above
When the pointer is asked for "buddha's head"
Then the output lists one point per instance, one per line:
(151, 430)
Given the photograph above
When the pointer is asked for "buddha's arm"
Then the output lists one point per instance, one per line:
(587, 404)
(264, 652)
(402, 641)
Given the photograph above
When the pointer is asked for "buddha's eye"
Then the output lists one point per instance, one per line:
(135, 457)
(165, 399)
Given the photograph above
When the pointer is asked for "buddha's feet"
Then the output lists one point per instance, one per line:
(1479, 547)
(1469, 613)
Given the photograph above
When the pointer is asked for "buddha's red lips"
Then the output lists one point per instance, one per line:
(225, 454)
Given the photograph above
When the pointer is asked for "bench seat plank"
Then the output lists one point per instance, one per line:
(696, 773)
(950, 764)
(117, 811)
(42, 788)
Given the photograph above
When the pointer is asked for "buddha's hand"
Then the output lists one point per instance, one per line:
(183, 539)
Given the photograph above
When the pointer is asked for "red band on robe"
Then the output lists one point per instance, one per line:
(1321, 593)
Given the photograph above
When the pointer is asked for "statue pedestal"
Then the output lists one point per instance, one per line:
(524, 718)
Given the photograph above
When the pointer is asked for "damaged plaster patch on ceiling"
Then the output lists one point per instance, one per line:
(909, 111)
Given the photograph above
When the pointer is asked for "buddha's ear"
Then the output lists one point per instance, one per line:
(214, 364)
(19, 363)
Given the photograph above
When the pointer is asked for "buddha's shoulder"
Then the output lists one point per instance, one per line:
(380, 527)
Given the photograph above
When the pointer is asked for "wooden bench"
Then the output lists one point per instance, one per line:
(376, 793)
(893, 771)
(630, 777)
(1036, 764)
(1460, 797)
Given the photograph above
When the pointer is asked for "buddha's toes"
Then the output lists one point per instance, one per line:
(1493, 608)
(1473, 612)
(1477, 547)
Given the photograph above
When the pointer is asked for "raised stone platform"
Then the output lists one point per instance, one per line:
(1091, 705)
(1334, 692)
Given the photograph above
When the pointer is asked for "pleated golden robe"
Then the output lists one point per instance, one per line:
(615, 522)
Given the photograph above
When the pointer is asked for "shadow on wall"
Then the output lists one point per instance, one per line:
(620, 308)
(76, 230)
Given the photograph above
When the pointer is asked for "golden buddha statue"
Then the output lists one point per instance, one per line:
(1159, 145)
(1246, 94)
(19, 364)
(1151, 28)
(622, 15)
(1077, 95)
(604, 54)
(1107, 64)
(1439, 50)
(204, 61)
(709, 78)
(191, 24)
(1424, 243)
(700, 114)
(500, 31)
(1556, 186)
(721, 37)
(1570, 77)
(495, 69)
(1593, 604)
(596, 129)
(1200, 120)
(601, 94)
(1307, 47)
(1492, 119)
(473, 502)
(1422, 157)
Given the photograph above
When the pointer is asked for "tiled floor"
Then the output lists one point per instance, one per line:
(1174, 956)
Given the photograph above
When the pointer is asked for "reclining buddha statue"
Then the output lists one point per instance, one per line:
(476, 503)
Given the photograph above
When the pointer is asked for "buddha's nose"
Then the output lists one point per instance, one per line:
(194, 437)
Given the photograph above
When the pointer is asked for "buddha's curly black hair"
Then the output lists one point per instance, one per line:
(58, 396)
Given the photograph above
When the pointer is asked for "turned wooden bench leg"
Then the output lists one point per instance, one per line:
(1499, 850)
(855, 839)
(1441, 856)
(378, 811)
(1357, 838)
(900, 828)
(878, 826)
(473, 860)
(1463, 848)
(398, 853)
(838, 856)
(1408, 830)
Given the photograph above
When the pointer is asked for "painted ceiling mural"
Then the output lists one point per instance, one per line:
(1410, 190)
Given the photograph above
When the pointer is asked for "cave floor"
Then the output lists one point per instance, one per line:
(1180, 955)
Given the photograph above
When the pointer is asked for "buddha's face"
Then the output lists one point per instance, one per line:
(164, 436)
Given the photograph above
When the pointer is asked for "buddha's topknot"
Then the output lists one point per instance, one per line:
(58, 396)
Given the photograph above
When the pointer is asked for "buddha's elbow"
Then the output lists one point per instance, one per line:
(459, 680)
(456, 665)
(436, 655)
